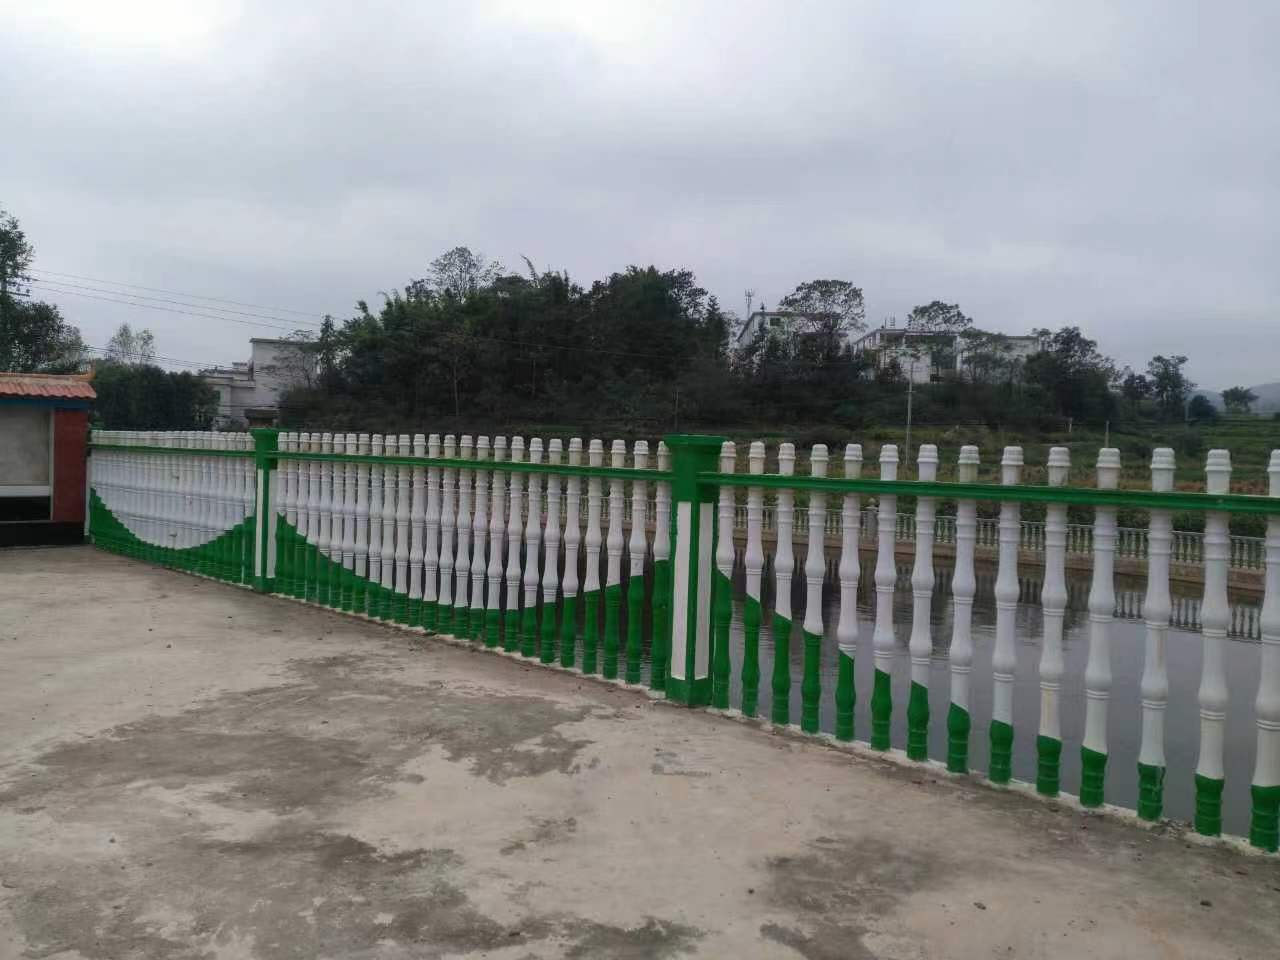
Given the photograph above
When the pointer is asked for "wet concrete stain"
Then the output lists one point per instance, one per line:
(837, 889)
(653, 940)
(277, 763)
(541, 831)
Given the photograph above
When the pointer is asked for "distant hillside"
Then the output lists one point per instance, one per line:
(1268, 397)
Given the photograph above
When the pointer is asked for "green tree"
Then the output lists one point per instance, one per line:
(1238, 399)
(1169, 385)
(1135, 388)
(826, 313)
(34, 337)
(1072, 374)
(133, 348)
(145, 397)
(938, 317)
(1201, 408)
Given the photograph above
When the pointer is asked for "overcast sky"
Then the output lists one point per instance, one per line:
(1113, 165)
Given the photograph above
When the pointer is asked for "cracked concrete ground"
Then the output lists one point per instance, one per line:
(189, 770)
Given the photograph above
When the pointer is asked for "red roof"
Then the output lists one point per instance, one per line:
(46, 385)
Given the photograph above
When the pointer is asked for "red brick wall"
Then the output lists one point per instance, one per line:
(70, 432)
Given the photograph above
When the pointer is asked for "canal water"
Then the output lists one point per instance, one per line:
(1182, 730)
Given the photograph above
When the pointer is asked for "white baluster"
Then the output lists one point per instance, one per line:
(1004, 656)
(375, 525)
(479, 541)
(815, 569)
(462, 564)
(1102, 603)
(1053, 601)
(1156, 607)
(1265, 829)
(753, 604)
(921, 643)
(1214, 616)
(360, 589)
(324, 530)
(350, 487)
(849, 572)
(591, 582)
(431, 550)
(551, 556)
(448, 524)
(417, 531)
(387, 548)
(783, 567)
(497, 531)
(964, 586)
(886, 576)
(532, 545)
(572, 542)
(515, 524)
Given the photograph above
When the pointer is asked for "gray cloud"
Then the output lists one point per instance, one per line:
(1101, 164)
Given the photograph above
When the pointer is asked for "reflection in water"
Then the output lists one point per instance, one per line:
(1182, 730)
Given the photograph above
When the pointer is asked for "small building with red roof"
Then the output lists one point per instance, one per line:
(44, 429)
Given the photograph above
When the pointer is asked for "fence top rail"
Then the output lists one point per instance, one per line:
(952, 490)
(189, 451)
(626, 473)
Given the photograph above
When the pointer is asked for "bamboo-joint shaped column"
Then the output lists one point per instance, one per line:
(479, 543)
(497, 531)
(462, 562)
(591, 582)
(532, 545)
(515, 524)
(417, 528)
(614, 545)
(431, 548)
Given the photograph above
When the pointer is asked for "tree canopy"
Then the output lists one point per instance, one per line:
(34, 337)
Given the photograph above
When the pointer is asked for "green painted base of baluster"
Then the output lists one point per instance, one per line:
(301, 555)
(444, 618)
(1208, 820)
(1264, 826)
(660, 646)
(335, 583)
(590, 631)
(845, 697)
(1000, 767)
(547, 633)
(529, 630)
(751, 618)
(417, 612)
(431, 615)
(612, 618)
(811, 683)
(958, 726)
(493, 628)
(1150, 791)
(479, 624)
(1093, 774)
(511, 630)
(720, 662)
(881, 709)
(461, 621)
(360, 593)
(918, 722)
(568, 631)
(635, 627)
(1048, 765)
(347, 601)
(780, 683)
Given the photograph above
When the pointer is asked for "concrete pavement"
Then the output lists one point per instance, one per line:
(191, 770)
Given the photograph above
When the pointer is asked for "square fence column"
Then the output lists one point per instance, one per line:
(693, 566)
(265, 448)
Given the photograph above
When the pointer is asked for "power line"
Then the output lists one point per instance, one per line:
(139, 296)
(179, 293)
(149, 306)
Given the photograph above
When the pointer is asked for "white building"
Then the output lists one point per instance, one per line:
(927, 355)
(250, 392)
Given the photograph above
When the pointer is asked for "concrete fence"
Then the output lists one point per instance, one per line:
(523, 547)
